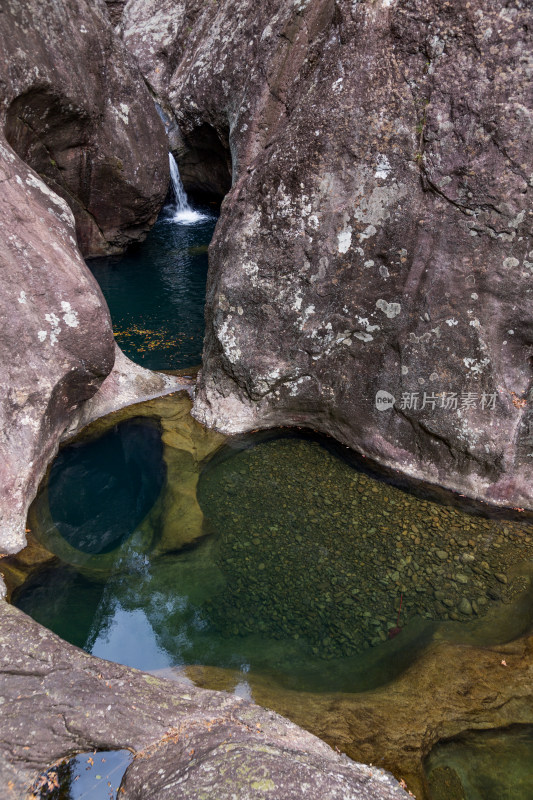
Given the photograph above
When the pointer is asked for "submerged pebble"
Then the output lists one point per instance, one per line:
(346, 548)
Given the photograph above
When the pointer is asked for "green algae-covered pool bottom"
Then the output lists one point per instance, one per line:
(464, 768)
(298, 567)
(270, 561)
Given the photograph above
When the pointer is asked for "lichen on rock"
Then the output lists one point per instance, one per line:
(377, 235)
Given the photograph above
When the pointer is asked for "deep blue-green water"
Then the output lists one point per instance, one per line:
(156, 292)
(268, 588)
(300, 573)
(96, 509)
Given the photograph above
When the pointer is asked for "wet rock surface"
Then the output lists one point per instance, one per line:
(76, 111)
(377, 233)
(127, 383)
(204, 744)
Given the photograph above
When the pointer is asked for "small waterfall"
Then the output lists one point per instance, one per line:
(182, 212)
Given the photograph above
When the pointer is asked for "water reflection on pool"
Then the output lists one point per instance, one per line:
(298, 572)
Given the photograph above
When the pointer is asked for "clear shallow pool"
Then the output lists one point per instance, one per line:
(298, 572)
(87, 776)
(483, 765)
(156, 292)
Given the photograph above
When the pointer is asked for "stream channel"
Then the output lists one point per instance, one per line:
(274, 565)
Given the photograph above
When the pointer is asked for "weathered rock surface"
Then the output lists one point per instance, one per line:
(377, 236)
(115, 9)
(57, 344)
(75, 107)
(126, 384)
(188, 741)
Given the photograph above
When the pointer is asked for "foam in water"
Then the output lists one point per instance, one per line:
(181, 210)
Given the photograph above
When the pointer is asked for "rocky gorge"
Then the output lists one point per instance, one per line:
(377, 232)
(373, 160)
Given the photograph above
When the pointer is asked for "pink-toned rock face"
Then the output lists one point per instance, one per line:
(377, 237)
(76, 109)
(56, 344)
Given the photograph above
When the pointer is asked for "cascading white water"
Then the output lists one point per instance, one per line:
(182, 212)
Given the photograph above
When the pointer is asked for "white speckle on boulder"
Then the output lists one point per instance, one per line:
(389, 309)
(252, 270)
(510, 262)
(451, 321)
(66, 213)
(344, 239)
(383, 167)
(70, 317)
(41, 335)
(369, 231)
(27, 420)
(306, 314)
(53, 321)
(22, 298)
(228, 340)
(476, 366)
(366, 324)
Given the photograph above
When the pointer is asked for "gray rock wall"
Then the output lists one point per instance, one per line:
(377, 236)
(76, 109)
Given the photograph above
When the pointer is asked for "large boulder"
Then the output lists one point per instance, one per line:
(189, 742)
(76, 109)
(57, 343)
(376, 237)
